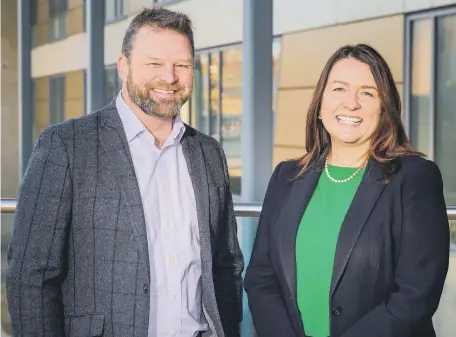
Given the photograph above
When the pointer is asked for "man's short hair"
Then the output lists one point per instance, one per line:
(160, 18)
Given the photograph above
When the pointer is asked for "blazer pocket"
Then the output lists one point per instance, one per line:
(84, 325)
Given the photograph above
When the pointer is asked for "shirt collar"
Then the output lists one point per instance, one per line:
(133, 126)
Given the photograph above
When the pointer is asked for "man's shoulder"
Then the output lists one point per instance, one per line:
(207, 142)
(66, 130)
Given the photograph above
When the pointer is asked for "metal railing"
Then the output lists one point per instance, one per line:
(241, 209)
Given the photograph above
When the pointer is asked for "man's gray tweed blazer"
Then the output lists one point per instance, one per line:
(78, 258)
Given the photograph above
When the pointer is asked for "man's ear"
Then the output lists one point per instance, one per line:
(122, 68)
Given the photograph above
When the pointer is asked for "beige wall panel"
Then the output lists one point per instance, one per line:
(135, 6)
(76, 20)
(43, 11)
(75, 3)
(41, 33)
(291, 116)
(304, 54)
(9, 105)
(74, 85)
(294, 15)
(41, 117)
(41, 88)
(74, 108)
(67, 55)
(113, 42)
(436, 3)
(282, 153)
(414, 5)
(361, 9)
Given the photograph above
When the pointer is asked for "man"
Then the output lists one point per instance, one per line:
(125, 223)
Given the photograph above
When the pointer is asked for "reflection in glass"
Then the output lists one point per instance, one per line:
(112, 84)
(199, 106)
(214, 94)
(420, 108)
(216, 104)
(232, 114)
(445, 112)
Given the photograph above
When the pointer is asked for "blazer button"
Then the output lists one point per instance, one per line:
(145, 288)
(336, 311)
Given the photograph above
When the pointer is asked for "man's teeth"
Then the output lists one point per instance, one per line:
(349, 120)
(164, 91)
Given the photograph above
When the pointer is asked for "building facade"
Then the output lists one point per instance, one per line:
(416, 37)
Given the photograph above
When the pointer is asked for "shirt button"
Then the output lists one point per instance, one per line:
(175, 332)
(174, 297)
(145, 288)
(171, 260)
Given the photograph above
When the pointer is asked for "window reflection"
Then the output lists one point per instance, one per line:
(445, 110)
(216, 104)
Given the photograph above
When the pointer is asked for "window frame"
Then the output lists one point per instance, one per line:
(218, 50)
(433, 14)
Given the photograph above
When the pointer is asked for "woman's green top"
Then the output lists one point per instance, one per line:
(316, 245)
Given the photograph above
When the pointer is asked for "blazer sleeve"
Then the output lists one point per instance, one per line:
(268, 309)
(37, 251)
(228, 264)
(422, 262)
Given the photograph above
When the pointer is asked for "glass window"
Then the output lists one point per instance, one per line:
(232, 114)
(113, 84)
(432, 93)
(445, 104)
(56, 99)
(216, 104)
(420, 98)
(114, 10)
(432, 122)
(199, 102)
(58, 19)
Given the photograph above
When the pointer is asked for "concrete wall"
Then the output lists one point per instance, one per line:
(9, 100)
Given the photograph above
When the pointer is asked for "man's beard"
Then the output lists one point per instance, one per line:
(165, 108)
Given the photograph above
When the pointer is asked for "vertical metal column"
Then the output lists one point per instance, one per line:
(95, 24)
(24, 16)
(257, 119)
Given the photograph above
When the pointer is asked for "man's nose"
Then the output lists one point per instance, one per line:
(168, 74)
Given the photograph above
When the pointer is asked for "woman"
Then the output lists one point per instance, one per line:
(353, 239)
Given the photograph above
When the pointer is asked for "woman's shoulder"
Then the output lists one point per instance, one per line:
(287, 169)
(417, 167)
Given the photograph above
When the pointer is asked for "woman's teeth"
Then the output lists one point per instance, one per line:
(349, 120)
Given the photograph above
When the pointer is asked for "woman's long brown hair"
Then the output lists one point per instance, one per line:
(389, 141)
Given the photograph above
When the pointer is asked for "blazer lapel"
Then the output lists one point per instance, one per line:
(115, 145)
(363, 202)
(194, 158)
(287, 223)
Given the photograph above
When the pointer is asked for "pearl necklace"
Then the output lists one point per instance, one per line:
(341, 181)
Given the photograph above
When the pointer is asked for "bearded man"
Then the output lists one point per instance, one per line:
(125, 223)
